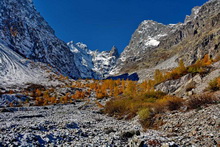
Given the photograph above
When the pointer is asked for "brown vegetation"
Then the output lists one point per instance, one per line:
(214, 85)
(197, 101)
(146, 106)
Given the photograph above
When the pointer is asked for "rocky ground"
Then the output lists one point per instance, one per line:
(82, 124)
(200, 127)
(69, 125)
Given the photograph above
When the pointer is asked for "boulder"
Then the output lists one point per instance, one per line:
(175, 86)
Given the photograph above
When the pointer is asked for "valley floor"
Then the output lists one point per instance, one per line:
(81, 124)
(68, 125)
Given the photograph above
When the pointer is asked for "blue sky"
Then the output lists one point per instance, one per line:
(103, 23)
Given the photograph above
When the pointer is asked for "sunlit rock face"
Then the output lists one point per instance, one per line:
(26, 32)
(146, 37)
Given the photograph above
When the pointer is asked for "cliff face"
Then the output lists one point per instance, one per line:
(153, 43)
(28, 34)
(201, 32)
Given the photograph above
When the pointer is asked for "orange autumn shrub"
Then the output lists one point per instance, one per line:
(168, 103)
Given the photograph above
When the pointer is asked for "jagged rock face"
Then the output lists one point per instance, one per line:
(201, 32)
(197, 36)
(93, 64)
(27, 33)
(191, 40)
(147, 37)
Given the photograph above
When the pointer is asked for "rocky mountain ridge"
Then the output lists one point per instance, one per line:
(24, 31)
(191, 40)
(147, 37)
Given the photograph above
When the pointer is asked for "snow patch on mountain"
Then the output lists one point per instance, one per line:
(152, 42)
(16, 71)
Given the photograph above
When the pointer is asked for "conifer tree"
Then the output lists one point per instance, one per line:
(181, 68)
(158, 76)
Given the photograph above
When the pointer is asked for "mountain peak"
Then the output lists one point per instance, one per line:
(149, 22)
(114, 52)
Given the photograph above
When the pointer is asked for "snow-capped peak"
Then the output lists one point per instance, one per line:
(93, 64)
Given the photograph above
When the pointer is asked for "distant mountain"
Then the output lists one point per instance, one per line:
(157, 46)
(93, 64)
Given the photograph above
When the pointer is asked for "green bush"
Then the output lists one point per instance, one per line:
(146, 117)
(144, 114)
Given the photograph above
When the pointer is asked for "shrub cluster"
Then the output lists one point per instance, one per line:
(146, 106)
(200, 66)
(197, 101)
